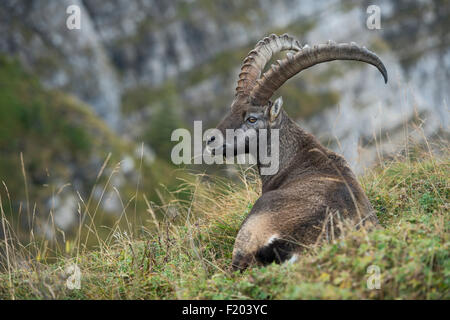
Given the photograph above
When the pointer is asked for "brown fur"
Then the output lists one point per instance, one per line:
(311, 182)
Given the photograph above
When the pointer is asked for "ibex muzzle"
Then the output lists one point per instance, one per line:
(312, 182)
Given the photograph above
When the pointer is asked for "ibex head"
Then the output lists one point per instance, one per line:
(252, 108)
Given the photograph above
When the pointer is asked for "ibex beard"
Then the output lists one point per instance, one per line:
(314, 187)
(248, 141)
(237, 144)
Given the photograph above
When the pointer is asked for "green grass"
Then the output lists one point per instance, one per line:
(187, 254)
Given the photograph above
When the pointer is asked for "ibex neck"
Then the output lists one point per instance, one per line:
(294, 155)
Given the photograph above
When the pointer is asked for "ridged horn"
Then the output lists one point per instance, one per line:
(308, 57)
(257, 59)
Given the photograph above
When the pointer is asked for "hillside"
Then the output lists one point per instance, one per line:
(87, 179)
(187, 254)
(52, 147)
(137, 70)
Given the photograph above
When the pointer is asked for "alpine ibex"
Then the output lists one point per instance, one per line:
(312, 181)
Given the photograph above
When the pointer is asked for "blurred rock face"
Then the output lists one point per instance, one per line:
(75, 61)
(141, 56)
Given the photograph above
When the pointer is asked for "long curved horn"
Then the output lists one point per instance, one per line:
(307, 57)
(257, 59)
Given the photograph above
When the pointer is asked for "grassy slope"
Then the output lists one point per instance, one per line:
(187, 256)
(62, 142)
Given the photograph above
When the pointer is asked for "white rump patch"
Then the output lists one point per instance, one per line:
(293, 259)
(272, 239)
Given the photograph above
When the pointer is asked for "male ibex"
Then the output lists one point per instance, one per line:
(312, 181)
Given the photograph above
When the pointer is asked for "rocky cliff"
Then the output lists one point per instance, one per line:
(130, 57)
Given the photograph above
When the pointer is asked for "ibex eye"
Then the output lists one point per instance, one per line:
(251, 119)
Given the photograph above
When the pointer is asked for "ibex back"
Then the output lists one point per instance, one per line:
(312, 182)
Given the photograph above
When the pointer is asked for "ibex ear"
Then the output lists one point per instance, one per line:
(275, 109)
